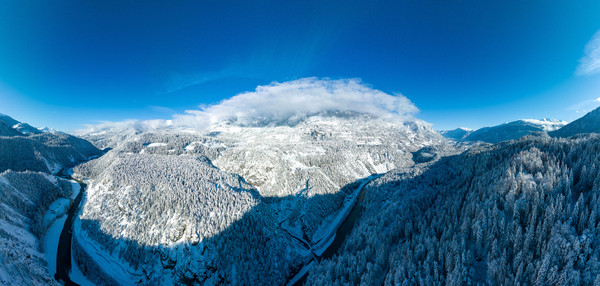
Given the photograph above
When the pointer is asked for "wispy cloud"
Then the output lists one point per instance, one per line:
(590, 63)
(585, 106)
(162, 109)
(283, 102)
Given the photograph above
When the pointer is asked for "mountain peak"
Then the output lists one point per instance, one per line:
(589, 123)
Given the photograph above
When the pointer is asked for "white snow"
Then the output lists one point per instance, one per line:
(107, 262)
(19, 234)
(61, 205)
(51, 240)
(547, 124)
(53, 167)
(51, 178)
(192, 146)
(55, 218)
(56, 209)
(76, 188)
(157, 145)
(77, 276)
(324, 236)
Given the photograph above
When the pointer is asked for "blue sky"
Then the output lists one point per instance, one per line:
(465, 63)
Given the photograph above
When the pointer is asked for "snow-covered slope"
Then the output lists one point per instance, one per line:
(290, 184)
(27, 129)
(25, 198)
(589, 123)
(514, 130)
(165, 207)
(7, 130)
(458, 134)
(522, 212)
(160, 214)
(31, 198)
(23, 147)
(8, 120)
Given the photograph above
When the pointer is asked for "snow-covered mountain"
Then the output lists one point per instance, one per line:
(513, 130)
(278, 185)
(589, 123)
(31, 198)
(23, 147)
(29, 203)
(518, 212)
(457, 134)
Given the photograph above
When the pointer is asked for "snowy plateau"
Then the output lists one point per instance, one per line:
(263, 203)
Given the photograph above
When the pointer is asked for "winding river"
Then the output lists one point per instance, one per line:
(63, 255)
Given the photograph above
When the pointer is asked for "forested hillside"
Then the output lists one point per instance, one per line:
(168, 196)
(24, 199)
(171, 219)
(28, 158)
(587, 124)
(519, 212)
(23, 147)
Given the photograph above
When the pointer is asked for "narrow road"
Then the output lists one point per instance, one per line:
(341, 233)
(63, 255)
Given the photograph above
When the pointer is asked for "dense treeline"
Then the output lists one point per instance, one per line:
(24, 198)
(45, 152)
(166, 198)
(521, 212)
(164, 210)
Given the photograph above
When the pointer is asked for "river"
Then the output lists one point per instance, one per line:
(63, 253)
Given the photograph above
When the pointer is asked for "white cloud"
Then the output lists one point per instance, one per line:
(590, 63)
(278, 103)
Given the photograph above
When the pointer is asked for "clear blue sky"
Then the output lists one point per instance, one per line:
(466, 63)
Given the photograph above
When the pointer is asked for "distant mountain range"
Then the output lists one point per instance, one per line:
(260, 203)
(503, 132)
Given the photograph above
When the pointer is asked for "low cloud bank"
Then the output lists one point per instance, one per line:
(280, 103)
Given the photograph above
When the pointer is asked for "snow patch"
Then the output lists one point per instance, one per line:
(151, 145)
(77, 276)
(51, 240)
(547, 124)
(56, 209)
(107, 262)
(324, 236)
(4, 180)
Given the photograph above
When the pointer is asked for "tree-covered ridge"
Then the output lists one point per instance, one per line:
(589, 123)
(169, 187)
(179, 217)
(24, 199)
(521, 212)
(25, 148)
